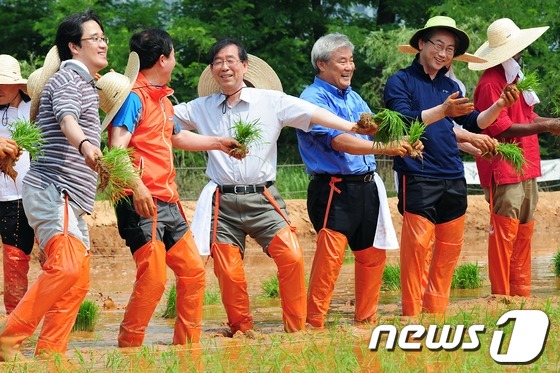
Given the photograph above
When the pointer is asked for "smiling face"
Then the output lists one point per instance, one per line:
(339, 69)
(92, 53)
(437, 51)
(229, 75)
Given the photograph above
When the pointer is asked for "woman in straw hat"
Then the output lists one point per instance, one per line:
(60, 187)
(150, 218)
(432, 191)
(246, 201)
(512, 195)
(17, 235)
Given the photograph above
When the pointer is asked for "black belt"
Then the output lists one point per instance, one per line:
(244, 189)
(365, 178)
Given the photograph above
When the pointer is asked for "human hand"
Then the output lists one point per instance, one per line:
(554, 126)
(456, 107)
(91, 154)
(232, 147)
(485, 144)
(9, 148)
(143, 201)
(509, 96)
(394, 148)
(366, 125)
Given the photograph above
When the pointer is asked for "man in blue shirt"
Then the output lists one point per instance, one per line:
(432, 191)
(343, 200)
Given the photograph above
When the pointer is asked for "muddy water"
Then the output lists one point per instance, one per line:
(112, 278)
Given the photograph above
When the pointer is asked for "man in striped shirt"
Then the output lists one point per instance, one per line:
(60, 186)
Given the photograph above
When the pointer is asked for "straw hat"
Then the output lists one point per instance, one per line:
(505, 40)
(467, 57)
(10, 72)
(38, 79)
(448, 24)
(258, 75)
(114, 88)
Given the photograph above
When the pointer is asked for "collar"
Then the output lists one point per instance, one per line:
(332, 89)
(154, 91)
(80, 68)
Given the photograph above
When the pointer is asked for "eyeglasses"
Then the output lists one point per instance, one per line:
(439, 47)
(98, 39)
(220, 63)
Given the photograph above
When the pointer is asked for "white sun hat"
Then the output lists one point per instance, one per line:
(38, 79)
(505, 40)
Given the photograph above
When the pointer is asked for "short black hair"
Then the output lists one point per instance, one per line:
(71, 29)
(221, 44)
(150, 44)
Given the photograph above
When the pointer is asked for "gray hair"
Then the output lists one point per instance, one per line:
(326, 45)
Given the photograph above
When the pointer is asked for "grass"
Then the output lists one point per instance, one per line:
(466, 276)
(391, 279)
(211, 296)
(87, 317)
(513, 154)
(170, 311)
(271, 288)
(556, 263)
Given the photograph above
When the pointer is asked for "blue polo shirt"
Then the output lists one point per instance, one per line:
(315, 146)
(410, 91)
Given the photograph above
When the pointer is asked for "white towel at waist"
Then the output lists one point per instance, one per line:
(202, 219)
(385, 236)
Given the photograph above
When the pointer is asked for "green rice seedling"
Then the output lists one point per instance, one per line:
(115, 173)
(391, 277)
(211, 296)
(271, 287)
(27, 137)
(513, 154)
(170, 311)
(87, 317)
(415, 132)
(556, 263)
(248, 134)
(391, 126)
(466, 276)
(530, 82)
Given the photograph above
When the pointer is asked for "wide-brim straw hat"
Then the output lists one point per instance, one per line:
(38, 79)
(10, 72)
(446, 23)
(467, 57)
(505, 40)
(114, 88)
(259, 75)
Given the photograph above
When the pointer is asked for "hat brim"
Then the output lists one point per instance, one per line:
(5, 81)
(51, 66)
(259, 75)
(499, 54)
(464, 40)
(466, 57)
(131, 72)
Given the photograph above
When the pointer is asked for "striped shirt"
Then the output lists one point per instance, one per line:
(70, 91)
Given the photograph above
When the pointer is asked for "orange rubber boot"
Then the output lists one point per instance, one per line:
(288, 256)
(369, 266)
(183, 258)
(65, 256)
(326, 266)
(449, 242)
(146, 293)
(61, 317)
(417, 240)
(503, 231)
(16, 267)
(228, 268)
(520, 267)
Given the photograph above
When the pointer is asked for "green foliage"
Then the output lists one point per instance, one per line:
(391, 126)
(27, 136)
(513, 154)
(170, 310)
(270, 287)
(391, 277)
(466, 276)
(530, 82)
(87, 317)
(416, 131)
(116, 173)
(556, 263)
(211, 296)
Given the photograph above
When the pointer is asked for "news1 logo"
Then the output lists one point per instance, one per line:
(526, 343)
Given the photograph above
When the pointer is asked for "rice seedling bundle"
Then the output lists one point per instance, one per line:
(27, 136)
(87, 317)
(116, 173)
(366, 124)
(530, 82)
(247, 133)
(391, 126)
(513, 154)
(415, 132)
